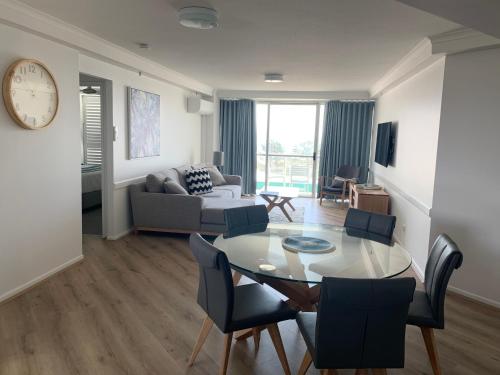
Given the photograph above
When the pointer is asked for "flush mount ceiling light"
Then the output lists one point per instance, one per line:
(198, 17)
(273, 77)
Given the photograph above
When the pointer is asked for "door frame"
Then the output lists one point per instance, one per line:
(316, 153)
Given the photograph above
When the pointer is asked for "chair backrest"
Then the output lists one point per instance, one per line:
(361, 323)
(445, 256)
(215, 289)
(377, 227)
(349, 171)
(245, 220)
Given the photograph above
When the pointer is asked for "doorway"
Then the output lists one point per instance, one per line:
(95, 163)
(288, 144)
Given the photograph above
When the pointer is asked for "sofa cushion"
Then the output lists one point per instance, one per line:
(172, 187)
(212, 210)
(181, 174)
(226, 194)
(198, 181)
(154, 182)
(171, 174)
(216, 177)
(235, 190)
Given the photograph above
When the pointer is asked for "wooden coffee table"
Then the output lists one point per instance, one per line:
(279, 198)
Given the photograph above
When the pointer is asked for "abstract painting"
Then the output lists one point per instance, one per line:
(143, 124)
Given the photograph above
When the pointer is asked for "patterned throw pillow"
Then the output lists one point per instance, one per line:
(198, 181)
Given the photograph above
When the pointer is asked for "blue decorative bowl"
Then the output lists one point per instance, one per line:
(301, 244)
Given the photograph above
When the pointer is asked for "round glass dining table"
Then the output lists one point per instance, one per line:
(264, 255)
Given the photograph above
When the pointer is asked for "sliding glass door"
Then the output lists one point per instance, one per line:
(287, 145)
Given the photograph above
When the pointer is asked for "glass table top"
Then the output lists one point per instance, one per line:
(351, 257)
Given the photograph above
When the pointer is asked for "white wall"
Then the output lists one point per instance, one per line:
(40, 190)
(466, 201)
(415, 107)
(180, 132)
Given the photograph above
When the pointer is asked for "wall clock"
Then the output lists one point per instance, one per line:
(30, 94)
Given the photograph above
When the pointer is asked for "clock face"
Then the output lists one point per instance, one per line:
(30, 94)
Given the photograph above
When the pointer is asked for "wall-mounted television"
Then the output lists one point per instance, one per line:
(385, 144)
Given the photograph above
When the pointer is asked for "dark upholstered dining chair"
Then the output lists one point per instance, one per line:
(377, 227)
(338, 185)
(233, 308)
(360, 324)
(245, 220)
(427, 309)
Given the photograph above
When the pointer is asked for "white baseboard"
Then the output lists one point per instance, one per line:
(418, 271)
(474, 296)
(120, 235)
(36, 280)
(414, 265)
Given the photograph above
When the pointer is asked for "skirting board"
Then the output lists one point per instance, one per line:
(120, 235)
(414, 265)
(475, 297)
(30, 284)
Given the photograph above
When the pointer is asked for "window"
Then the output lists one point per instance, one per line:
(91, 129)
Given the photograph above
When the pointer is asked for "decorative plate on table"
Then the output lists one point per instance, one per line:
(301, 244)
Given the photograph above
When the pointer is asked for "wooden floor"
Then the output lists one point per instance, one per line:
(130, 308)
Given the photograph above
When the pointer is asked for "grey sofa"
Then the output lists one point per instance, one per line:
(179, 213)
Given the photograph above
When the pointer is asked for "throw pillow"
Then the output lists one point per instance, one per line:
(172, 187)
(216, 177)
(154, 182)
(198, 181)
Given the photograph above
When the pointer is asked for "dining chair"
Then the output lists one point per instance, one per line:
(234, 308)
(339, 184)
(360, 324)
(427, 309)
(377, 227)
(245, 220)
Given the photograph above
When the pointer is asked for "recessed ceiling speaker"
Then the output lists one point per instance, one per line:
(198, 17)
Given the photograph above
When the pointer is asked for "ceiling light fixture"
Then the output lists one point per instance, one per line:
(198, 17)
(273, 77)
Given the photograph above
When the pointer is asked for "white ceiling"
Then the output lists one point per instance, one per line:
(319, 45)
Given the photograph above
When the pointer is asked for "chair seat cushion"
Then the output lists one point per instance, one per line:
(307, 326)
(420, 312)
(332, 189)
(254, 306)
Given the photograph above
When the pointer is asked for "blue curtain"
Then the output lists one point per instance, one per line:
(346, 137)
(238, 140)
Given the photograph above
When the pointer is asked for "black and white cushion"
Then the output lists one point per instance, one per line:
(198, 181)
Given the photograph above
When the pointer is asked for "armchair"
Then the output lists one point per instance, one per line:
(338, 185)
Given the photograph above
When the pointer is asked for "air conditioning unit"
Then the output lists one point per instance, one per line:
(195, 104)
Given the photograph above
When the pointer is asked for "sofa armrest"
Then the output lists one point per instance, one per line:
(169, 211)
(232, 179)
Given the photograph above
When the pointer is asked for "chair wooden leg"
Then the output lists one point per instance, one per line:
(236, 278)
(330, 371)
(361, 371)
(379, 371)
(205, 330)
(228, 338)
(320, 198)
(274, 332)
(430, 345)
(256, 338)
(306, 363)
